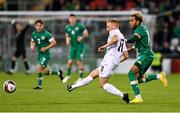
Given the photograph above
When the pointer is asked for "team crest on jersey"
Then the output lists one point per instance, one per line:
(42, 37)
(69, 30)
(72, 32)
(76, 28)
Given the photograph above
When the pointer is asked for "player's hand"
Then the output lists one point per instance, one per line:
(43, 49)
(68, 39)
(33, 48)
(101, 49)
(79, 39)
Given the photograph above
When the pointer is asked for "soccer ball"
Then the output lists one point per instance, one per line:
(9, 86)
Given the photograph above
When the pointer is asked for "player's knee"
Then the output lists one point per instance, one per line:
(130, 73)
(101, 85)
(137, 75)
(13, 58)
(81, 68)
(102, 82)
(94, 73)
(69, 62)
(144, 78)
(39, 69)
(126, 55)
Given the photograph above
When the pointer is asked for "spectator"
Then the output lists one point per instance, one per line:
(20, 47)
(55, 5)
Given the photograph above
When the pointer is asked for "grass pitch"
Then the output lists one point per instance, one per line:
(55, 98)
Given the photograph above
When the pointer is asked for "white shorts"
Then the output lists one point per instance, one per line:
(107, 67)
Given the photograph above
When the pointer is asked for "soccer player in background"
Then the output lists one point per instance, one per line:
(116, 53)
(20, 51)
(137, 74)
(75, 34)
(43, 41)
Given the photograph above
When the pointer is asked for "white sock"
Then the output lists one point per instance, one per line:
(138, 96)
(113, 90)
(83, 82)
(158, 76)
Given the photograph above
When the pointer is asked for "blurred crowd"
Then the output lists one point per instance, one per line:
(150, 6)
(167, 33)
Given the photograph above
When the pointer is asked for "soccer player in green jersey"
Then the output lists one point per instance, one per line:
(145, 57)
(43, 41)
(75, 34)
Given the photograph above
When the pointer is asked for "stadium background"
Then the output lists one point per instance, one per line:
(162, 18)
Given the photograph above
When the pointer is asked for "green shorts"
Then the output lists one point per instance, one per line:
(76, 53)
(43, 61)
(145, 62)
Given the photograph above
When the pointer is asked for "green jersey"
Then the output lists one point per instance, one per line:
(74, 32)
(42, 39)
(143, 44)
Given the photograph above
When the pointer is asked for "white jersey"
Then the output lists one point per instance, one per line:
(112, 57)
(115, 51)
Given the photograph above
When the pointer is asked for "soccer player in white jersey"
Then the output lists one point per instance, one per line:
(116, 53)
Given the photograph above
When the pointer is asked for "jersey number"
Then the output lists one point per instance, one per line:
(43, 60)
(102, 68)
(39, 41)
(120, 48)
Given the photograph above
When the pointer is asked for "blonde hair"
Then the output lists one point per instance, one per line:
(138, 15)
(113, 20)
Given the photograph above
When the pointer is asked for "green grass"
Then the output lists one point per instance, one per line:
(54, 97)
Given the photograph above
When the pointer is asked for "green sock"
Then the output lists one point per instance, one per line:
(69, 72)
(80, 74)
(55, 72)
(136, 89)
(48, 73)
(40, 78)
(132, 78)
(148, 78)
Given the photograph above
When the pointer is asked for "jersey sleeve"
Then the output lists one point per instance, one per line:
(66, 29)
(49, 36)
(140, 31)
(82, 28)
(113, 33)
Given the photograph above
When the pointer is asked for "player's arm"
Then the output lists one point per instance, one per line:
(113, 40)
(134, 38)
(32, 45)
(131, 49)
(67, 39)
(85, 34)
(124, 56)
(52, 44)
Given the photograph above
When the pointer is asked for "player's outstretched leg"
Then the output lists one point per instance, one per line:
(161, 76)
(55, 72)
(83, 82)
